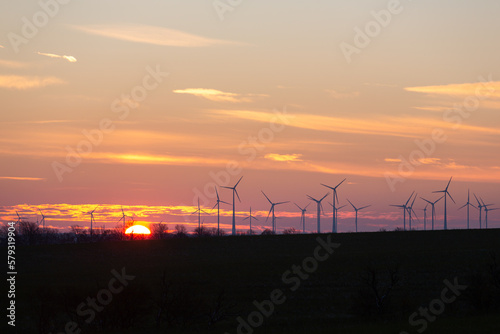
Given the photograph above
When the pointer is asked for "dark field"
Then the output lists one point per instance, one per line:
(198, 285)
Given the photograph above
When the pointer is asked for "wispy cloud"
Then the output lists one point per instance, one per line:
(217, 95)
(152, 35)
(283, 157)
(341, 95)
(28, 82)
(21, 178)
(491, 89)
(71, 59)
(410, 127)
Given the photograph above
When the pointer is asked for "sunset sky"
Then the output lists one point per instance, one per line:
(149, 104)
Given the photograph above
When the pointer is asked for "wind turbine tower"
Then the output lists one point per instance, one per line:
(433, 210)
(233, 232)
(335, 202)
(319, 207)
(303, 217)
(217, 204)
(271, 210)
(467, 205)
(446, 194)
(404, 207)
(357, 209)
(250, 218)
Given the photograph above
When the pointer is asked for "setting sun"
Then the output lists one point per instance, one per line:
(138, 229)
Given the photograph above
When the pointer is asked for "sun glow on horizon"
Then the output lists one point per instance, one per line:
(138, 229)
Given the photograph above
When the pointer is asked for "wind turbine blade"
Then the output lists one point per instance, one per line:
(324, 185)
(217, 193)
(297, 206)
(409, 198)
(364, 207)
(312, 198)
(236, 191)
(322, 198)
(340, 183)
(478, 203)
(414, 198)
(426, 200)
(307, 206)
(271, 209)
(351, 204)
(224, 202)
(450, 197)
(463, 206)
(341, 207)
(238, 182)
(267, 197)
(448, 184)
(215, 205)
(227, 187)
(246, 218)
(398, 206)
(281, 202)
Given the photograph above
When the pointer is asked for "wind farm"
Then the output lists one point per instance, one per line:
(250, 167)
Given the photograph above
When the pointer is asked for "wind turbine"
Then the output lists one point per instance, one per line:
(357, 209)
(480, 207)
(217, 204)
(43, 219)
(272, 210)
(425, 217)
(446, 193)
(303, 217)
(467, 205)
(433, 211)
(92, 220)
(335, 200)
(320, 207)
(124, 220)
(410, 210)
(233, 232)
(250, 217)
(199, 211)
(485, 206)
(404, 207)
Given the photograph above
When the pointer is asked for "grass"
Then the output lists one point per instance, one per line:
(54, 279)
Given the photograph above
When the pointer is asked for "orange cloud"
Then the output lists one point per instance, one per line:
(21, 178)
(491, 89)
(27, 82)
(410, 127)
(152, 35)
(283, 157)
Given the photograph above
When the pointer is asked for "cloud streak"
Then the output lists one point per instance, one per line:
(152, 35)
(71, 59)
(217, 95)
(28, 82)
(491, 89)
(341, 95)
(283, 157)
(21, 178)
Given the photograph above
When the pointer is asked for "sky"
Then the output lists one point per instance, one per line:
(150, 105)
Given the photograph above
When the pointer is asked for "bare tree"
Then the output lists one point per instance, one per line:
(180, 231)
(160, 230)
(29, 231)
